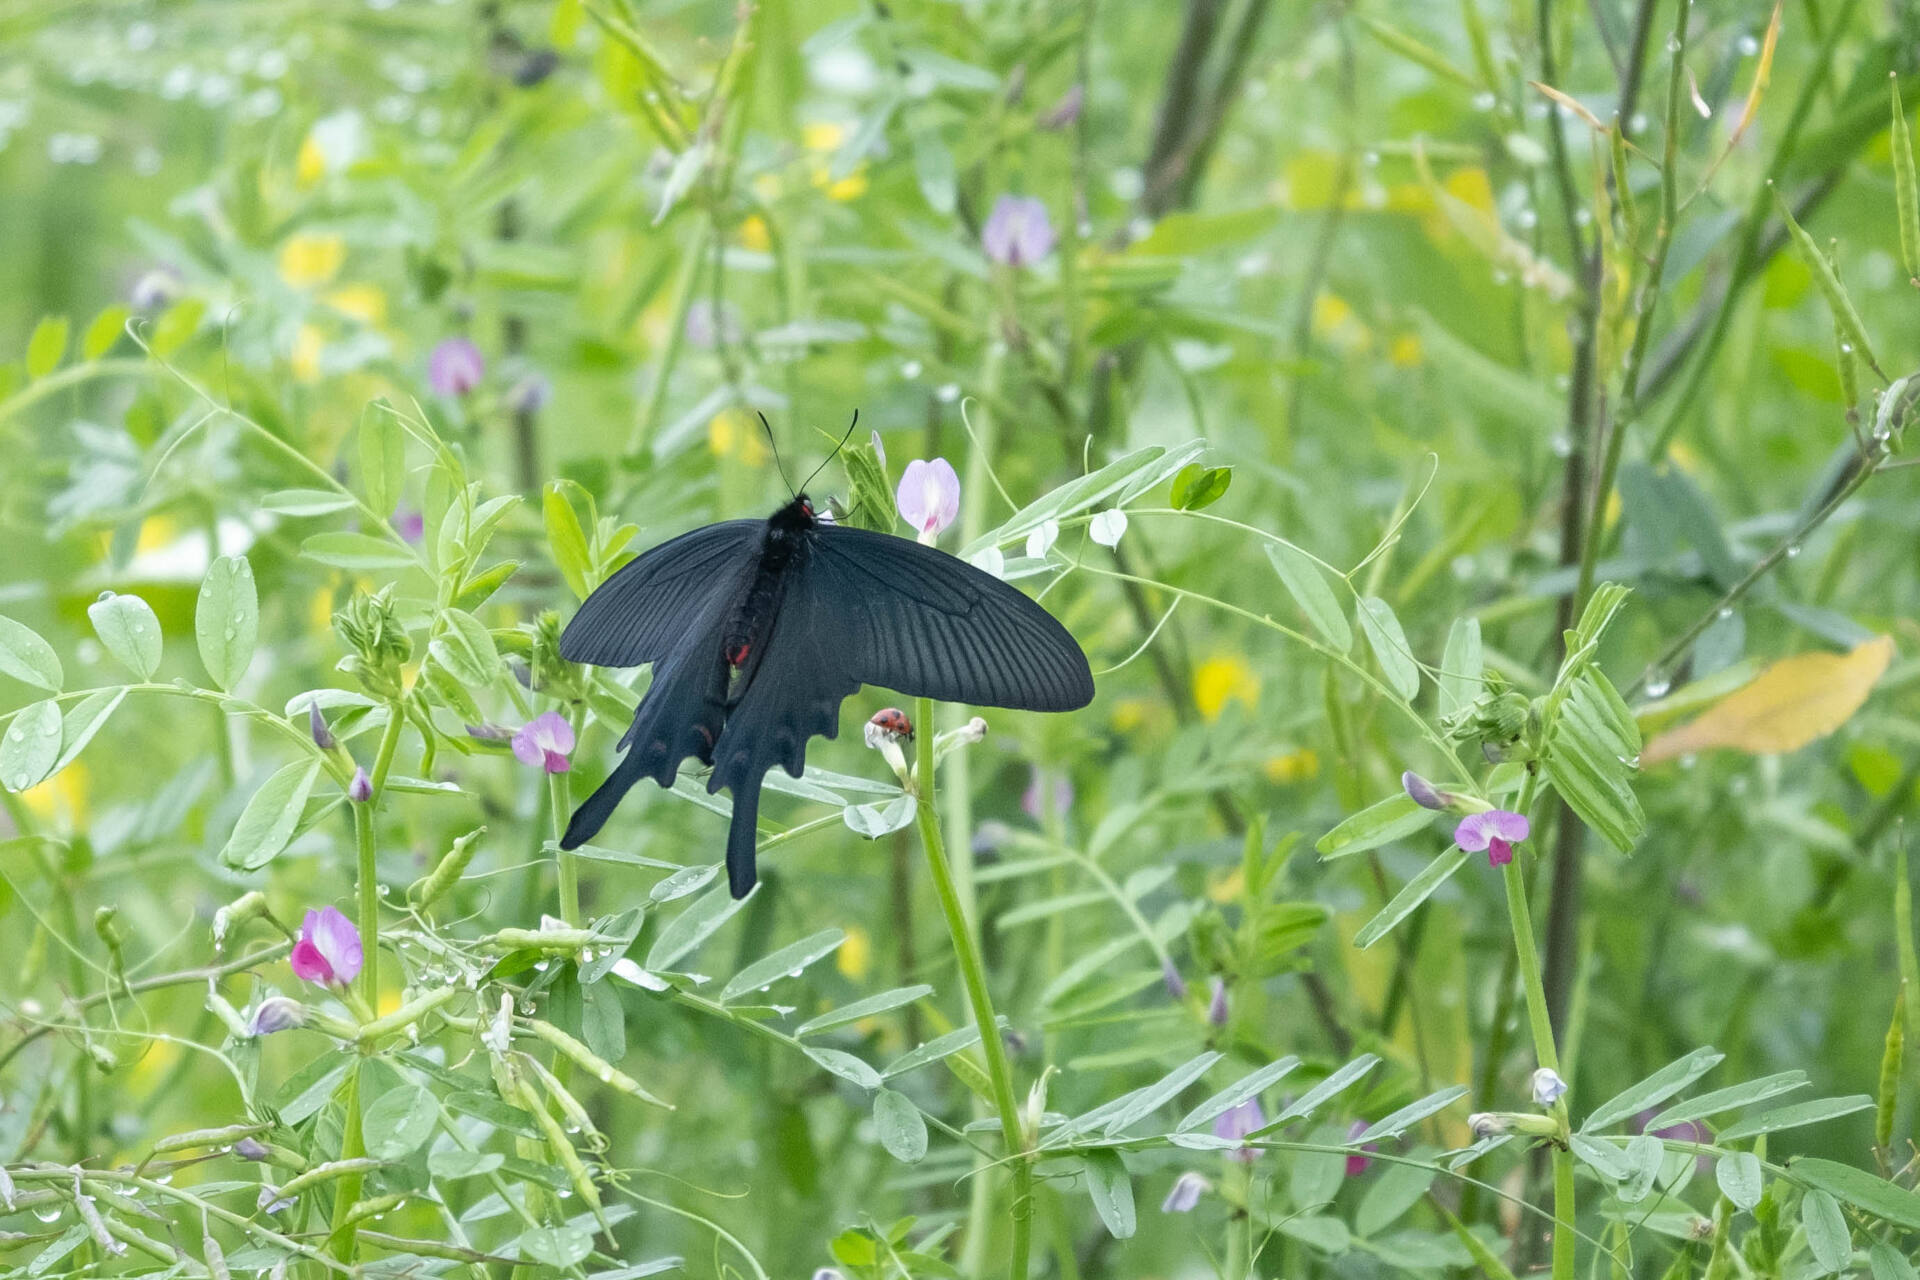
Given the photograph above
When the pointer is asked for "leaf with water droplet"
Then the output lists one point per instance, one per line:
(31, 746)
(226, 620)
(128, 628)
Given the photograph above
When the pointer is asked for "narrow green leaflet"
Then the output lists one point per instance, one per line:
(845, 1065)
(693, 926)
(1417, 891)
(226, 620)
(30, 747)
(1378, 824)
(566, 539)
(1413, 1113)
(1645, 1155)
(1887, 1263)
(28, 658)
(1828, 1239)
(1389, 644)
(1144, 1102)
(306, 503)
(1306, 582)
(1398, 1188)
(1238, 1092)
(383, 460)
(1861, 1189)
(84, 719)
(1592, 748)
(1462, 667)
(1739, 1177)
(128, 628)
(47, 347)
(902, 1129)
(398, 1121)
(882, 817)
(269, 820)
(1310, 1101)
(1793, 1117)
(103, 331)
(465, 649)
(1653, 1090)
(1112, 1192)
(1605, 1159)
(932, 1051)
(355, 552)
(1727, 1099)
(847, 1014)
(787, 962)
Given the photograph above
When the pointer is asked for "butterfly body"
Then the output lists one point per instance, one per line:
(758, 629)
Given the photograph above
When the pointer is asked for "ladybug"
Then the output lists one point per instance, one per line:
(894, 721)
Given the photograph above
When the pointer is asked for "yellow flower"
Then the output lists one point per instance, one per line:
(1406, 350)
(851, 187)
(1221, 680)
(1335, 320)
(63, 797)
(753, 234)
(734, 433)
(822, 135)
(156, 532)
(1229, 886)
(1471, 187)
(366, 303)
(1294, 766)
(320, 610)
(305, 357)
(855, 956)
(311, 166)
(1130, 713)
(307, 259)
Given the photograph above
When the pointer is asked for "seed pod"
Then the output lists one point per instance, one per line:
(587, 1060)
(1890, 1061)
(1906, 191)
(222, 1137)
(1844, 315)
(561, 1147)
(577, 1118)
(543, 939)
(326, 1173)
(446, 872)
(373, 1207)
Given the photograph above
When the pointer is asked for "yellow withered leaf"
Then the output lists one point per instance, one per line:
(1787, 706)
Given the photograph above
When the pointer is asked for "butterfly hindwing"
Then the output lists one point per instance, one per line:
(924, 623)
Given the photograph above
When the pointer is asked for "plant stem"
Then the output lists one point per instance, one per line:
(973, 975)
(565, 861)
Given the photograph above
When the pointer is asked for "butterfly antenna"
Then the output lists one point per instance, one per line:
(836, 450)
(768, 428)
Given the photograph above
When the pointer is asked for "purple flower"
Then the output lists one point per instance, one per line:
(455, 367)
(1067, 110)
(1217, 1010)
(929, 496)
(1356, 1163)
(1496, 831)
(1424, 793)
(1037, 791)
(1018, 232)
(360, 789)
(328, 951)
(317, 725)
(530, 395)
(1176, 985)
(410, 524)
(280, 1013)
(157, 289)
(1186, 1193)
(251, 1148)
(544, 742)
(1236, 1124)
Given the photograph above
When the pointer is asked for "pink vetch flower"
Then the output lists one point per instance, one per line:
(1424, 793)
(1176, 985)
(1018, 232)
(360, 788)
(1218, 1010)
(1066, 111)
(455, 367)
(1236, 1124)
(929, 496)
(328, 952)
(1186, 1192)
(410, 524)
(1037, 791)
(1357, 1163)
(1496, 831)
(544, 742)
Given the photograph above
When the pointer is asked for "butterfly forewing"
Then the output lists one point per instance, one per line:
(646, 610)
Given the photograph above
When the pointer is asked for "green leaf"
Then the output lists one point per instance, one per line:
(128, 628)
(465, 649)
(226, 620)
(1378, 824)
(308, 1088)
(566, 539)
(1886, 1263)
(1605, 1159)
(1739, 1174)
(1196, 487)
(1112, 1192)
(1389, 644)
(1462, 667)
(399, 1121)
(1398, 1188)
(1591, 743)
(848, 1014)
(383, 460)
(1308, 1102)
(1237, 1093)
(1143, 1102)
(103, 331)
(933, 1051)
(176, 326)
(691, 927)
(882, 817)
(1306, 582)
(1417, 891)
(1413, 1113)
(902, 1129)
(1862, 1190)
(1727, 1099)
(452, 1162)
(1127, 477)
(845, 1065)
(1828, 1239)
(787, 962)
(28, 658)
(355, 552)
(84, 719)
(270, 818)
(1797, 1115)
(30, 746)
(1645, 1155)
(1653, 1090)
(560, 1247)
(47, 346)
(305, 503)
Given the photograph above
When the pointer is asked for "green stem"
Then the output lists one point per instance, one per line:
(973, 975)
(567, 864)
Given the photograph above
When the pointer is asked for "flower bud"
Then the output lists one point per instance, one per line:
(1176, 985)
(276, 1013)
(1424, 793)
(1217, 1008)
(370, 627)
(1186, 1193)
(317, 725)
(1548, 1087)
(360, 790)
(251, 1149)
(1488, 1124)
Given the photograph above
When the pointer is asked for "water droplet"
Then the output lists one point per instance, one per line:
(1846, 348)
(948, 392)
(1793, 551)
(103, 597)
(1526, 219)
(1726, 611)
(1370, 159)
(1673, 44)
(49, 1214)
(1748, 45)
(912, 369)
(1484, 101)
(1657, 686)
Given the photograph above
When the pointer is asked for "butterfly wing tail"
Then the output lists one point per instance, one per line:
(682, 715)
(598, 807)
(742, 839)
